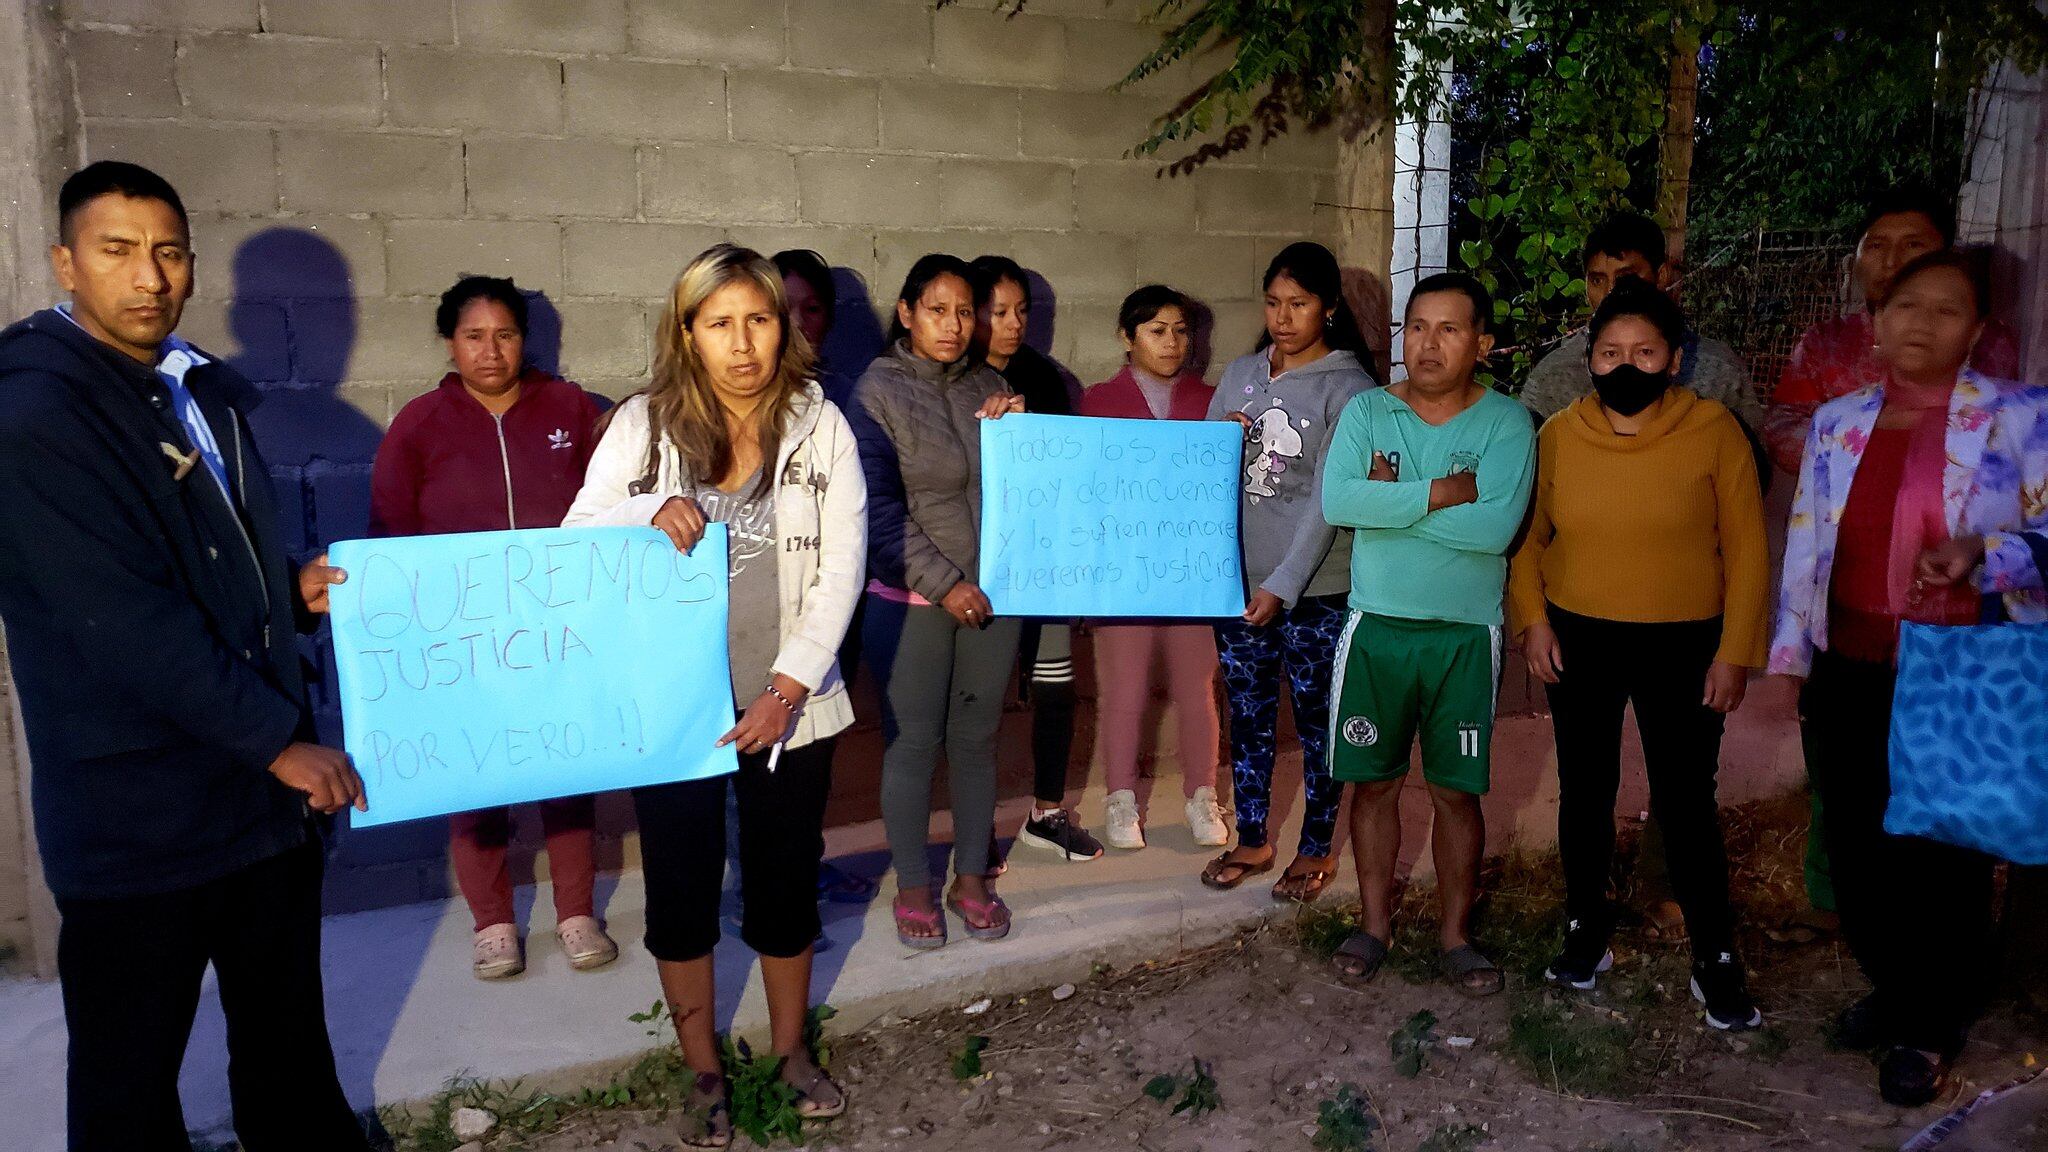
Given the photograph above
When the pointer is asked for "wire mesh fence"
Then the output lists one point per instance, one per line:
(1760, 290)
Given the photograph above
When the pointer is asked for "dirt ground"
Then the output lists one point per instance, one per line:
(1631, 1068)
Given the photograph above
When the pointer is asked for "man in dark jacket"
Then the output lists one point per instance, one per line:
(149, 610)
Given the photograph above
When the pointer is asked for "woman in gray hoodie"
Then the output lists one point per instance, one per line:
(1288, 395)
(941, 658)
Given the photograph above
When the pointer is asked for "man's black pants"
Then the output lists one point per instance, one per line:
(131, 969)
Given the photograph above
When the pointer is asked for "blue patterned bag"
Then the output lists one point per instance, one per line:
(1969, 738)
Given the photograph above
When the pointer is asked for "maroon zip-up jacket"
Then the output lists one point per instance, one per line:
(448, 465)
(1120, 397)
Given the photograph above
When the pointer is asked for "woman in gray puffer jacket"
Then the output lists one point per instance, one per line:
(941, 659)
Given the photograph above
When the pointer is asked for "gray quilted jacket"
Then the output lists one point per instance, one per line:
(920, 447)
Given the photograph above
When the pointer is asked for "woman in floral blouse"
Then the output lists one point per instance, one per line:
(1912, 496)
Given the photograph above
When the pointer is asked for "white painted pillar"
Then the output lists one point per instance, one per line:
(1422, 201)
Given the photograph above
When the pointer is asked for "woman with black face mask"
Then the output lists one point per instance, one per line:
(1644, 578)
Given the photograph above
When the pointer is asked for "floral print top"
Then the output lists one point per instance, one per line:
(1995, 485)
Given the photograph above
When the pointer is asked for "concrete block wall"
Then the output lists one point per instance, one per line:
(344, 162)
(589, 147)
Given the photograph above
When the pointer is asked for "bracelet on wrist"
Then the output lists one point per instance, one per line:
(784, 700)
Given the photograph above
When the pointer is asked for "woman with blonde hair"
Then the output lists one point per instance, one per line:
(733, 429)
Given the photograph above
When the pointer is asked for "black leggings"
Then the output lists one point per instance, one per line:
(1045, 660)
(782, 838)
(1916, 913)
(1662, 669)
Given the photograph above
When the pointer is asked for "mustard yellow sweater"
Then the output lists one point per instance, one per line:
(1664, 525)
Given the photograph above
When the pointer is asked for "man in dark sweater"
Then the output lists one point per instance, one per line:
(150, 616)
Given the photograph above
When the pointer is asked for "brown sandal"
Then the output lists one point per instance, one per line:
(1664, 920)
(1213, 875)
(1310, 885)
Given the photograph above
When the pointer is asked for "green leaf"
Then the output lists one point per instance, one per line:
(1162, 1087)
(1345, 1123)
(1406, 1043)
(967, 1062)
(1201, 1095)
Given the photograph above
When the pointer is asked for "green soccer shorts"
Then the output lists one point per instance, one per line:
(1396, 679)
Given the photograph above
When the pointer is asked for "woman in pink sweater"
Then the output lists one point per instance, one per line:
(1155, 322)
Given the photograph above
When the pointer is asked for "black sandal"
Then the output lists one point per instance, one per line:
(706, 1121)
(1459, 965)
(808, 1104)
(1368, 950)
(1212, 876)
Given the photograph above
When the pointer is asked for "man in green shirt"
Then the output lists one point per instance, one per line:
(1433, 476)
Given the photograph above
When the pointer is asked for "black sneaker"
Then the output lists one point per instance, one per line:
(1056, 832)
(1582, 959)
(1720, 985)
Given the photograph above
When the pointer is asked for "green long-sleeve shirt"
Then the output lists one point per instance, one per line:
(1407, 561)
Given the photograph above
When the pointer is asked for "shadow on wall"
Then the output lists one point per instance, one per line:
(856, 338)
(1201, 336)
(293, 316)
(543, 334)
(1038, 331)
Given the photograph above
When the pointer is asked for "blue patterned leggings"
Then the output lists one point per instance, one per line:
(1303, 640)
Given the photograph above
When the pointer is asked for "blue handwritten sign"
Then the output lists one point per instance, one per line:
(493, 668)
(1083, 516)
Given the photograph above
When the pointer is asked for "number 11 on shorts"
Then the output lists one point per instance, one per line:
(1468, 740)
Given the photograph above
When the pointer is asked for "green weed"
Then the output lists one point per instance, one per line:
(763, 1106)
(1407, 1042)
(1198, 1092)
(1347, 1122)
(1568, 1047)
(967, 1061)
(763, 1103)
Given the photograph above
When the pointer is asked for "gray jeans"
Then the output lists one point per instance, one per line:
(942, 686)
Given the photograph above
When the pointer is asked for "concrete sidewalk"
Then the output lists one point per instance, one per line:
(406, 1015)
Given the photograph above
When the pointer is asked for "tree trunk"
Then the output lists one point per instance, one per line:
(1365, 185)
(1674, 167)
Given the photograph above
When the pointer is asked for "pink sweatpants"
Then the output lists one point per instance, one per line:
(1124, 655)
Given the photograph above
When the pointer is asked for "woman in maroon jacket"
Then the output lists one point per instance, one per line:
(499, 444)
(1155, 385)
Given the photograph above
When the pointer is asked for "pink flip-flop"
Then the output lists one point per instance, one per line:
(908, 918)
(970, 910)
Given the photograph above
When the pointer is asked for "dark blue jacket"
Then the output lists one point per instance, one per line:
(150, 626)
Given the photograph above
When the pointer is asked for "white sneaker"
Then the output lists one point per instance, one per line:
(1205, 819)
(1121, 814)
